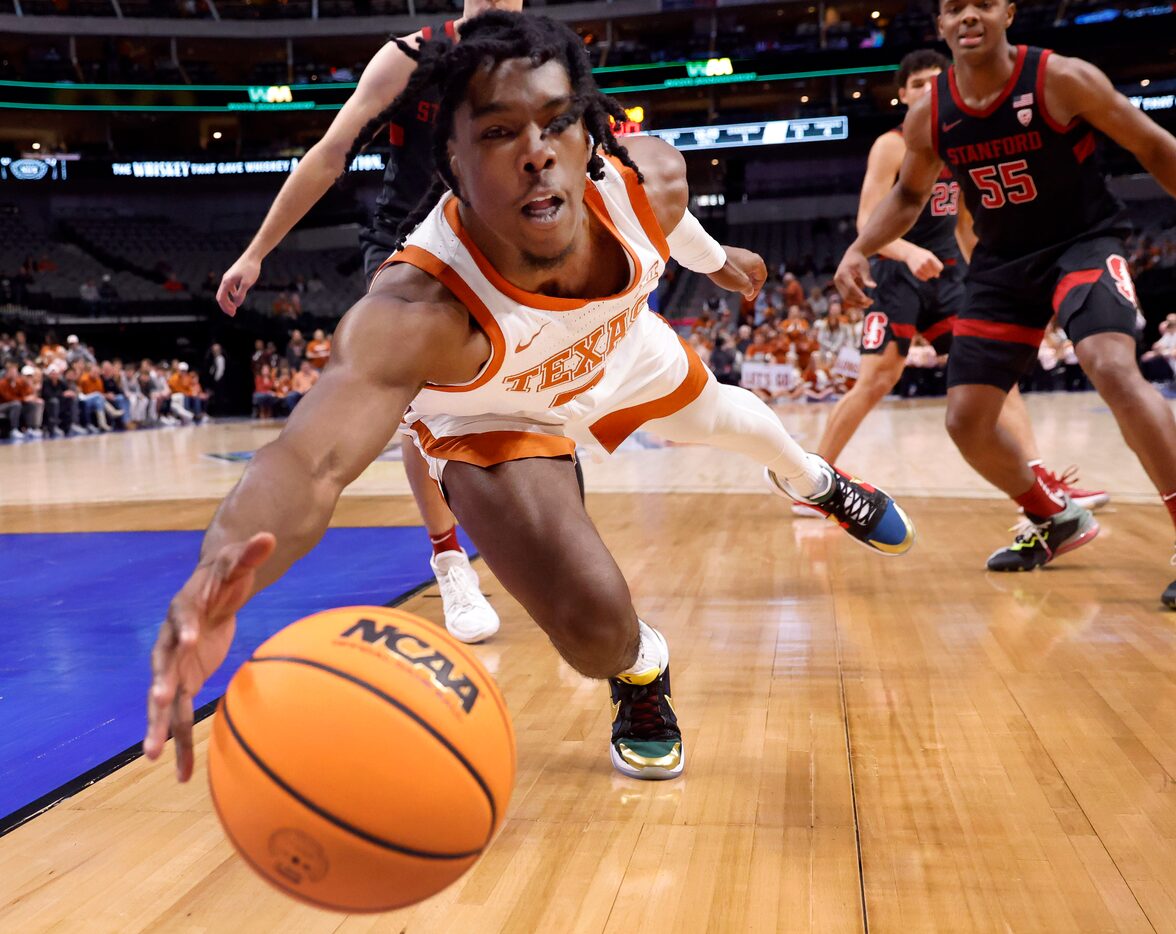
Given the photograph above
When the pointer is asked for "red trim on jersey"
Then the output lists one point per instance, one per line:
(1050, 121)
(902, 330)
(1071, 281)
(946, 326)
(1084, 148)
(1000, 99)
(451, 30)
(426, 33)
(999, 331)
(395, 134)
(935, 115)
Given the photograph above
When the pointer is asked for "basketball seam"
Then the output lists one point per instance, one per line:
(404, 709)
(327, 815)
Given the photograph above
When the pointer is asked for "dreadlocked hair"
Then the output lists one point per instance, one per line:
(487, 40)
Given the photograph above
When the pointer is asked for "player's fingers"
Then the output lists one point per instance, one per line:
(241, 559)
(223, 298)
(164, 681)
(182, 728)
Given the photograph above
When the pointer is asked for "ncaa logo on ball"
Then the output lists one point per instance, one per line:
(422, 656)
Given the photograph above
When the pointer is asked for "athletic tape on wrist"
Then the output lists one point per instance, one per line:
(694, 248)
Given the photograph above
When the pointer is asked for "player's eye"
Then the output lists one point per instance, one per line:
(495, 132)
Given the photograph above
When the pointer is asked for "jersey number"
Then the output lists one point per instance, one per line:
(1007, 183)
(945, 199)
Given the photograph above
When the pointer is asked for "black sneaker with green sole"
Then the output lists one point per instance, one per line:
(646, 741)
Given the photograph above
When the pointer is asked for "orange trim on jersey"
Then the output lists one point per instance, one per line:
(639, 201)
(433, 266)
(1050, 121)
(615, 427)
(533, 299)
(1000, 98)
(492, 447)
(572, 393)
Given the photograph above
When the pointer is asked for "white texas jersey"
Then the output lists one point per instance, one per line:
(545, 352)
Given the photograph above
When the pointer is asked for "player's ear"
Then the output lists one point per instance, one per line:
(1010, 14)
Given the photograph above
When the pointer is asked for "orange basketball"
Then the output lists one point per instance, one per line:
(362, 759)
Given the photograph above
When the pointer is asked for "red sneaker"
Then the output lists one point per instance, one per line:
(1087, 499)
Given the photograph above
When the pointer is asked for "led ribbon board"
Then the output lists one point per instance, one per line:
(770, 133)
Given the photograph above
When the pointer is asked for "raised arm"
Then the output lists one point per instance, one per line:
(1076, 88)
(385, 349)
(898, 211)
(384, 78)
(664, 170)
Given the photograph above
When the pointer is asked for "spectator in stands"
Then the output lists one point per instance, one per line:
(282, 384)
(282, 306)
(1159, 363)
(88, 293)
(296, 349)
(92, 395)
(796, 323)
(832, 332)
(182, 405)
(263, 392)
(818, 383)
(722, 362)
(743, 339)
(172, 284)
(314, 284)
(818, 304)
(61, 402)
(154, 386)
(106, 290)
(50, 350)
(77, 352)
(318, 351)
(112, 392)
(210, 283)
(46, 264)
(21, 352)
(215, 369)
(301, 383)
(138, 402)
(257, 358)
(19, 400)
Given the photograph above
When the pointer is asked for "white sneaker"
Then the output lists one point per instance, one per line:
(77, 430)
(33, 432)
(804, 511)
(16, 435)
(468, 616)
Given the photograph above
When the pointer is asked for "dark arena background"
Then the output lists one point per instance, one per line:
(892, 746)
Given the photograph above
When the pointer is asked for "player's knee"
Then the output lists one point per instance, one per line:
(1113, 375)
(963, 428)
(596, 634)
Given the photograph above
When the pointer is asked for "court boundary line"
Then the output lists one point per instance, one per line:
(49, 800)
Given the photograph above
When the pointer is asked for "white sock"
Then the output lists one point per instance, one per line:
(653, 655)
(811, 481)
(1036, 463)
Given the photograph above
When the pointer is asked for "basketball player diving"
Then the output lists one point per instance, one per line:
(920, 288)
(409, 171)
(1016, 127)
(511, 325)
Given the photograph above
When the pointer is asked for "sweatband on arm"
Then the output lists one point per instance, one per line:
(694, 248)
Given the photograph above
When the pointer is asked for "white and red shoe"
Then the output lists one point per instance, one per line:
(1067, 483)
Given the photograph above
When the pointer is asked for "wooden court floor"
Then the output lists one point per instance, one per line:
(890, 745)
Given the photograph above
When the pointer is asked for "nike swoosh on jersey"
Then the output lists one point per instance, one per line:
(519, 348)
(948, 127)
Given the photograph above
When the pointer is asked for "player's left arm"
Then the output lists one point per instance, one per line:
(1076, 88)
(664, 170)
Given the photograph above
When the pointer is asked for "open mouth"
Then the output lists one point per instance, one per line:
(545, 210)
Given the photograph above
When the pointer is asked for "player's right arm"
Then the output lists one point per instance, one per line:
(386, 348)
(384, 78)
(882, 169)
(898, 211)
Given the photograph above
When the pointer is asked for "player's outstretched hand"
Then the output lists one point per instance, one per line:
(924, 264)
(194, 640)
(852, 278)
(744, 273)
(236, 283)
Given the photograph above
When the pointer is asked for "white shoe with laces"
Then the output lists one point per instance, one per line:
(468, 615)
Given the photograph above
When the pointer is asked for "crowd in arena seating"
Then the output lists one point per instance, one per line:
(52, 390)
(280, 380)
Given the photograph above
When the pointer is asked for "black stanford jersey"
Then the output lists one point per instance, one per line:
(409, 171)
(1030, 182)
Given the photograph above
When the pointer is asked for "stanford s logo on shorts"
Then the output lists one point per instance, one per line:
(874, 330)
(1121, 273)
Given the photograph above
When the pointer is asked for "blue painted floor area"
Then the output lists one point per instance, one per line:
(81, 611)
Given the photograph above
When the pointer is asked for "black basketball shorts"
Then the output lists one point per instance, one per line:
(904, 306)
(1008, 306)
